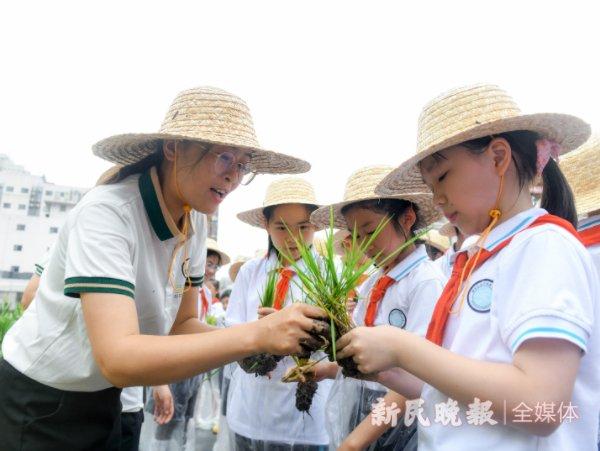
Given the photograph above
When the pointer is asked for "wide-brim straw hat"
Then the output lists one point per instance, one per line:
(361, 186)
(447, 230)
(207, 115)
(437, 240)
(212, 245)
(474, 112)
(582, 169)
(235, 267)
(288, 190)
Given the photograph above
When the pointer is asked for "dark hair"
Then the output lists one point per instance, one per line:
(225, 293)
(210, 252)
(268, 213)
(557, 197)
(393, 208)
(154, 159)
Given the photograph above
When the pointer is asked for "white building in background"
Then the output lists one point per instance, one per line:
(32, 211)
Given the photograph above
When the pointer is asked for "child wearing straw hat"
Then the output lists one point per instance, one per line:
(261, 410)
(522, 302)
(401, 293)
(125, 271)
(209, 306)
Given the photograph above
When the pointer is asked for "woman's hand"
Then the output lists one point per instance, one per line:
(283, 332)
(163, 404)
(264, 311)
(325, 370)
(371, 348)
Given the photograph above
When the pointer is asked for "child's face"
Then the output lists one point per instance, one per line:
(464, 186)
(366, 221)
(294, 219)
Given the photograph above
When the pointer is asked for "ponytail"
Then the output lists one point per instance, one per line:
(557, 197)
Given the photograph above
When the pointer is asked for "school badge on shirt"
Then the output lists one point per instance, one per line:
(480, 295)
(397, 318)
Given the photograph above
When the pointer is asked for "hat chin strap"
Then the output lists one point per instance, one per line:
(183, 242)
(495, 214)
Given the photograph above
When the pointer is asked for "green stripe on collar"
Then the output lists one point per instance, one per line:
(155, 213)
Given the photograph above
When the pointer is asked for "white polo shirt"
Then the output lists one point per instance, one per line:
(258, 407)
(132, 398)
(408, 303)
(542, 285)
(118, 239)
(446, 262)
(584, 224)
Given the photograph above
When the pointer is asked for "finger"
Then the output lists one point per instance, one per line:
(310, 343)
(344, 341)
(313, 312)
(264, 311)
(347, 352)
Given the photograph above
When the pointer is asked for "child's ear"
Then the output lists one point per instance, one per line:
(501, 153)
(408, 219)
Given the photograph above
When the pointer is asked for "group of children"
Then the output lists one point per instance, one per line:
(493, 345)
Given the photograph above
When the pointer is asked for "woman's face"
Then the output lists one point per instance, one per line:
(390, 239)
(289, 221)
(206, 177)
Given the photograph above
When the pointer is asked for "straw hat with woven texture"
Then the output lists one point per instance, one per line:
(474, 112)
(361, 186)
(582, 169)
(208, 115)
(447, 230)
(211, 245)
(289, 190)
(437, 240)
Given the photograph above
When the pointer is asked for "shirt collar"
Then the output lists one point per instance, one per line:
(403, 269)
(161, 220)
(588, 222)
(504, 231)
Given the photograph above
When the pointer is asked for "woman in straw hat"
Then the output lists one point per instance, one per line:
(401, 293)
(126, 269)
(261, 410)
(523, 295)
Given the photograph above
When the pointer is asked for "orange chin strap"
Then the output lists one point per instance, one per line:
(495, 215)
(183, 242)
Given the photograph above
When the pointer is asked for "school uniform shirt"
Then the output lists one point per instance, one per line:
(260, 408)
(446, 261)
(594, 249)
(408, 303)
(215, 309)
(119, 239)
(132, 398)
(542, 285)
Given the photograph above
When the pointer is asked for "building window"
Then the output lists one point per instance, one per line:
(20, 227)
(24, 190)
(6, 205)
(63, 208)
(53, 229)
(62, 194)
(10, 189)
(17, 248)
(14, 269)
(48, 193)
(22, 207)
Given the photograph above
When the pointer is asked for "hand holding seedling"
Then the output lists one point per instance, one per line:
(367, 347)
(264, 311)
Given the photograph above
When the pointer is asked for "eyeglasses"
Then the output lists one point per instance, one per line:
(226, 161)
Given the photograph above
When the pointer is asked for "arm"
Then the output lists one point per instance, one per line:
(30, 290)
(187, 321)
(524, 380)
(367, 432)
(127, 358)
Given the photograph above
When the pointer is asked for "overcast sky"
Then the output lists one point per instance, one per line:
(339, 83)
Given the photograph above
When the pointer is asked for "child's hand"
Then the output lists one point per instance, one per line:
(325, 370)
(163, 404)
(371, 348)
